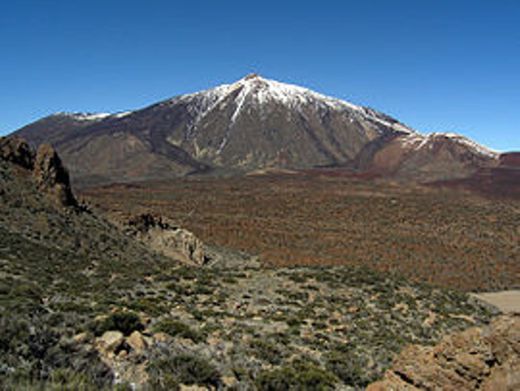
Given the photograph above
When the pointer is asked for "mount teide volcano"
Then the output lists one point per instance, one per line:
(252, 124)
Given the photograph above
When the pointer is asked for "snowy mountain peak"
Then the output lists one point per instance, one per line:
(253, 123)
(262, 94)
(292, 95)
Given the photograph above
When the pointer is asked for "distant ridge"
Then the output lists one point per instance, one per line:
(250, 125)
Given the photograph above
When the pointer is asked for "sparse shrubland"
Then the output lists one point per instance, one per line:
(448, 238)
(84, 306)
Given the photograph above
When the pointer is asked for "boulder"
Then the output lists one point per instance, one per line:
(110, 342)
(81, 338)
(229, 381)
(480, 358)
(161, 337)
(136, 342)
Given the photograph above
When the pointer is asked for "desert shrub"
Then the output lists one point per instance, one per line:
(25, 297)
(202, 289)
(297, 376)
(186, 273)
(197, 314)
(348, 367)
(126, 322)
(178, 329)
(32, 352)
(71, 306)
(58, 381)
(267, 351)
(229, 280)
(184, 369)
(294, 321)
(180, 289)
(298, 278)
(151, 305)
(68, 379)
(299, 296)
(164, 382)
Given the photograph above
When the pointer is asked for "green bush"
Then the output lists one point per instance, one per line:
(61, 379)
(348, 367)
(184, 369)
(33, 356)
(68, 379)
(165, 382)
(178, 329)
(126, 322)
(298, 376)
(267, 351)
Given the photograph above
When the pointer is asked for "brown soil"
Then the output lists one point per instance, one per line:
(447, 237)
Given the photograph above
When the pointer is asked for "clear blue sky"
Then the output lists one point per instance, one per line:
(451, 66)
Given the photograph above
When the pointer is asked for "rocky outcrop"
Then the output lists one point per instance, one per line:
(52, 177)
(481, 358)
(167, 239)
(47, 169)
(17, 151)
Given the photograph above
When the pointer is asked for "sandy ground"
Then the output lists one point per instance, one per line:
(506, 301)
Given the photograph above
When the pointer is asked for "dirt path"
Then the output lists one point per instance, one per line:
(506, 301)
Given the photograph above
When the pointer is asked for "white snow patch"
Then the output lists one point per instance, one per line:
(418, 141)
(85, 116)
(121, 114)
(93, 116)
(255, 90)
(471, 144)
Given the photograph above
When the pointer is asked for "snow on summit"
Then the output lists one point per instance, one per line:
(258, 91)
(254, 93)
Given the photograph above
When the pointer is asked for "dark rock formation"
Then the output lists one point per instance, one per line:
(52, 177)
(144, 222)
(16, 150)
(47, 169)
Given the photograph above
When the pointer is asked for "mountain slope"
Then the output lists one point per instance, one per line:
(252, 124)
(84, 306)
(437, 156)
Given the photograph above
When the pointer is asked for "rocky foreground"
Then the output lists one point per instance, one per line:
(88, 305)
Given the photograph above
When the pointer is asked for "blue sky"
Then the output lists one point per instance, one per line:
(446, 66)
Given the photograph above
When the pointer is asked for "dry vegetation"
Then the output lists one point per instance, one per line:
(83, 305)
(449, 238)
